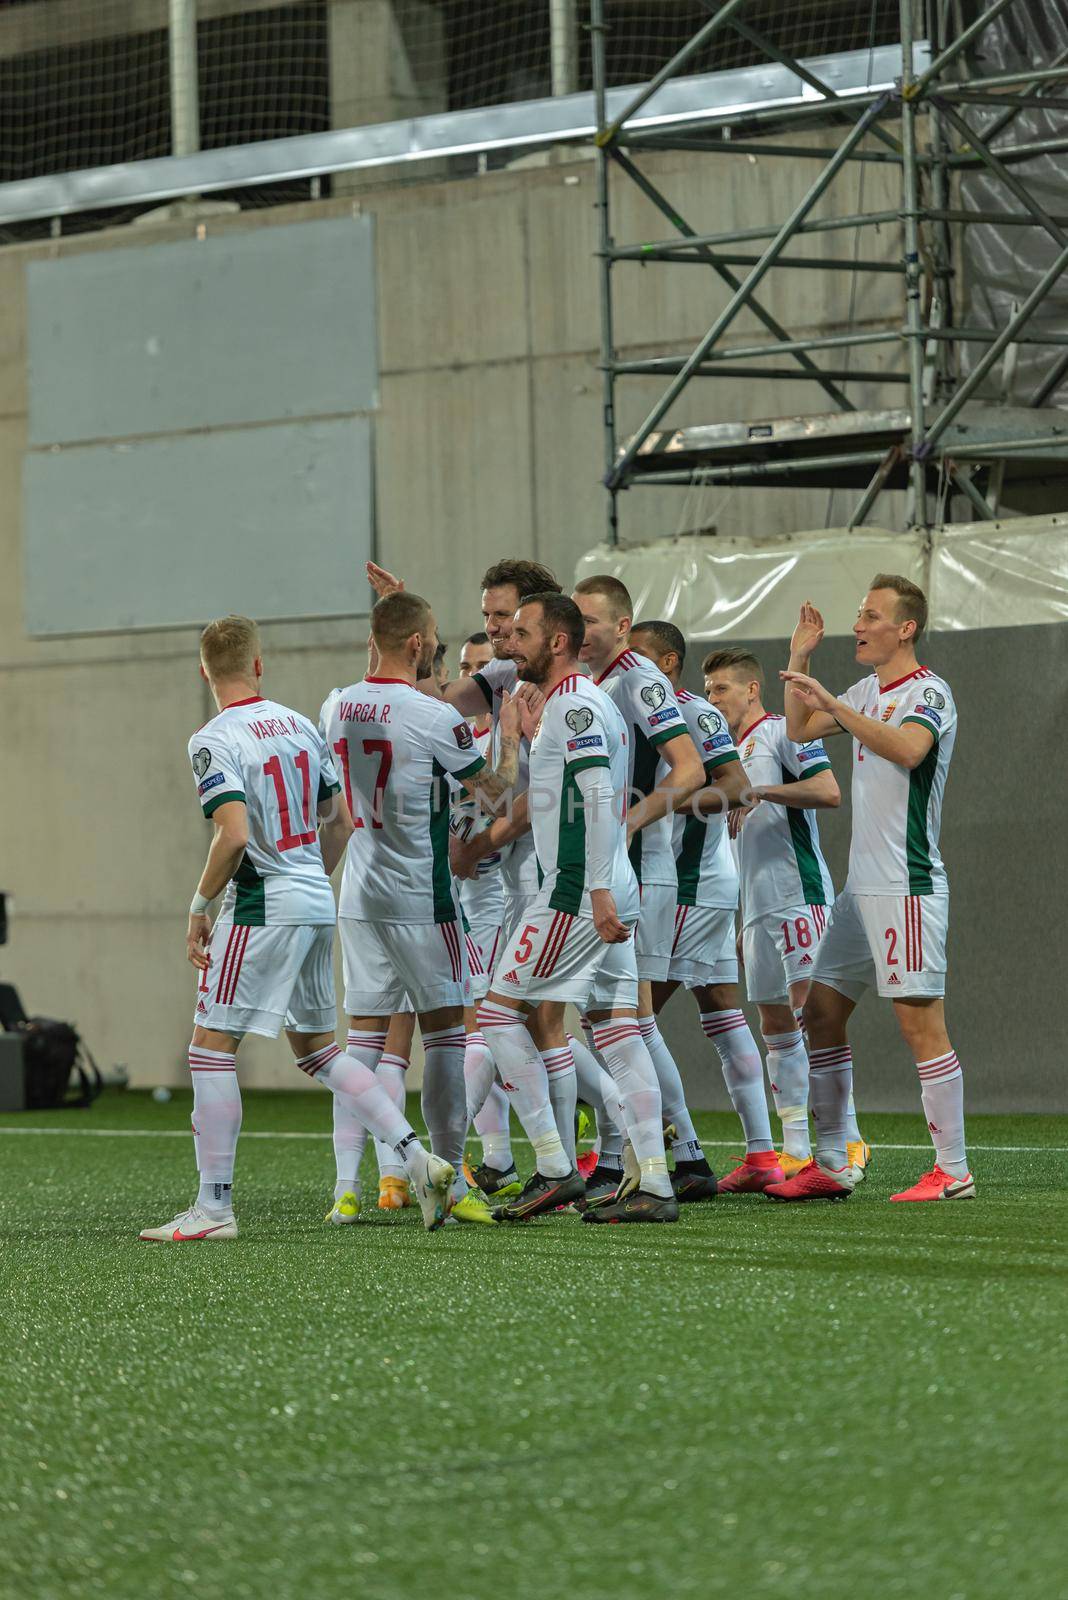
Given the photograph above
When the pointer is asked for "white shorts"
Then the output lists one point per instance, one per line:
(483, 945)
(779, 949)
(516, 907)
(656, 931)
(263, 979)
(895, 943)
(702, 950)
(554, 956)
(384, 961)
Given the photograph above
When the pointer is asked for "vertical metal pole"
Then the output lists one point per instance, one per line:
(185, 96)
(913, 277)
(563, 47)
(608, 352)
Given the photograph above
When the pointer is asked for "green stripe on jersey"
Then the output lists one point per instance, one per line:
(805, 857)
(694, 834)
(441, 876)
(220, 800)
(570, 847)
(917, 844)
(326, 790)
(643, 782)
(674, 732)
(250, 903)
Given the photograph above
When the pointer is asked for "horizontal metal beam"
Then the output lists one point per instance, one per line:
(528, 124)
(735, 259)
(1006, 80)
(999, 219)
(714, 145)
(768, 230)
(756, 469)
(1007, 447)
(1011, 154)
(667, 366)
(969, 335)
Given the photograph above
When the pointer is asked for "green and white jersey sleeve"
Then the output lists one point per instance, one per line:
(396, 748)
(651, 712)
(780, 861)
(897, 813)
(274, 760)
(578, 798)
(704, 862)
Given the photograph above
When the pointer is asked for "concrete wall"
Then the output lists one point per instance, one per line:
(488, 442)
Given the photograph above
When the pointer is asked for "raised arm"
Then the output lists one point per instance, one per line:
(905, 746)
(488, 786)
(805, 722)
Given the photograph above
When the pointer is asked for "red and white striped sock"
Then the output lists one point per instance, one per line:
(390, 1074)
(559, 1066)
(216, 1124)
(444, 1098)
(743, 1073)
(524, 1080)
(611, 1118)
(631, 1067)
(672, 1093)
(942, 1092)
(364, 1104)
(830, 1083)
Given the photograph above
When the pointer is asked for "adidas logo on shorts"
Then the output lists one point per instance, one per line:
(893, 978)
(511, 977)
(806, 961)
(201, 1006)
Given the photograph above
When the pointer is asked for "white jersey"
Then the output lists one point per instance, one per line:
(274, 760)
(897, 814)
(704, 864)
(652, 717)
(520, 874)
(778, 847)
(580, 727)
(395, 747)
(481, 897)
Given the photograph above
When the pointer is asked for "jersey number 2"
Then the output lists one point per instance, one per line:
(273, 769)
(371, 747)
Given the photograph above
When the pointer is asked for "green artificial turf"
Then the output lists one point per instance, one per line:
(857, 1399)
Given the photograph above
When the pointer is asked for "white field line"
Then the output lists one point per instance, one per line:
(709, 1144)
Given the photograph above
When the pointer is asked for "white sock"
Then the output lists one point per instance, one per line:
(559, 1067)
(788, 1075)
(685, 1145)
(479, 1074)
(830, 1081)
(390, 1074)
(621, 1045)
(743, 1073)
(603, 1095)
(216, 1125)
(350, 1133)
(942, 1092)
(352, 1081)
(493, 1126)
(444, 1098)
(853, 1133)
(524, 1081)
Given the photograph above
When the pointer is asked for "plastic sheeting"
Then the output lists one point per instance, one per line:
(976, 575)
(1003, 264)
(1000, 574)
(719, 588)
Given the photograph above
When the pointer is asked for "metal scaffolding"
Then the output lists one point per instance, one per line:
(946, 433)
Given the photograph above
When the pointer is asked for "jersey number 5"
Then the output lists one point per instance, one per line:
(273, 769)
(371, 747)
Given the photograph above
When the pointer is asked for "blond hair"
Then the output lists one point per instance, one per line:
(611, 589)
(230, 647)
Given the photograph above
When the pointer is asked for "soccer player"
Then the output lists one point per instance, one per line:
(570, 1064)
(786, 891)
(266, 781)
(889, 925)
(574, 944)
(665, 771)
(703, 957)
(400, 925)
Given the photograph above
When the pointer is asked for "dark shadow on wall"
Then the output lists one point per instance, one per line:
(1003, 842)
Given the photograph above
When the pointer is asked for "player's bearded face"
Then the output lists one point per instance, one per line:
(425, 665)
(533, 655)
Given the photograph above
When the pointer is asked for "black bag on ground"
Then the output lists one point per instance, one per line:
(52, 1051)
